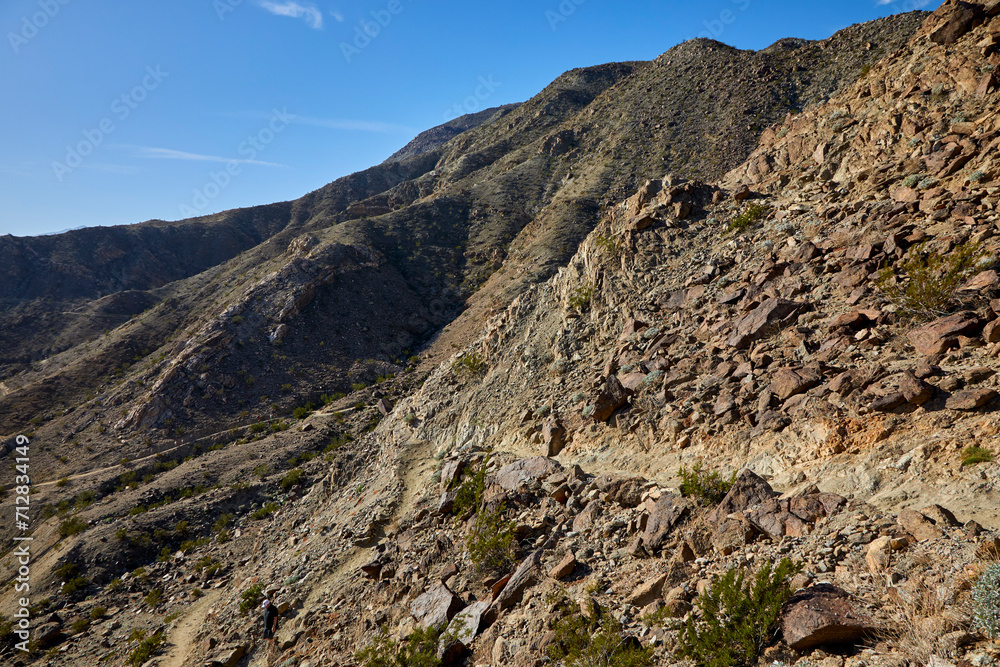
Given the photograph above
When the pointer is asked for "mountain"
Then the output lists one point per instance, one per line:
(660, 321)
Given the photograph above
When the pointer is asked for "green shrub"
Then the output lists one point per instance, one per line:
(418, 650)
(251, 597)
(75, 585)
(468, 364)
(931, 280)
(594, 640)
(154, 597)
(72, 526)
(264, 512)
(986, 602)
(79, 625)
(490, 542)
(708, 487)
(98, 611)
(974, 454)
(751, 214)
(579, 298)
(145, 650)
(737, 621)
(291, 479)
(470, 489)
(262, 471)
(609, 247)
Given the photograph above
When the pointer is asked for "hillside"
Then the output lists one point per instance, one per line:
(538, 302)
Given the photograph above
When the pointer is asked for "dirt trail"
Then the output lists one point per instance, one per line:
(182, 636)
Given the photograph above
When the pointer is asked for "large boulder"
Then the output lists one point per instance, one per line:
(436, 607)
(527, 574)
(957, 22)
(664, 514)
(788, 382)
(823, 615)
(970, 399)
(748, 491)
(942, 334)
(522, 473)
(612, 396)
(770, 314)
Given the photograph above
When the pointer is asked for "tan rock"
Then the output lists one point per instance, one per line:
(564, 568)
(648, 591)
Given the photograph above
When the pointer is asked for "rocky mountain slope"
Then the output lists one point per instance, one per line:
(753, 324)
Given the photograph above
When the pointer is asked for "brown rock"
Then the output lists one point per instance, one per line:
(648, 591)
(733, 534)
(941, 335)
(991, 332)
(747, 492)
(888, 403)
(436, 607)
(229, 654)
(788, 382)
(918, 525)
(47, 634)
(526, 574)
(668, 511)
(553, 435)
(612, 397)
(771, 313)
(958, 22)
(641, 222)
(822, 615)
(564, 568)
(384, 406)
(915, 391)
(970, 399)
(467, 624)
(585, 520)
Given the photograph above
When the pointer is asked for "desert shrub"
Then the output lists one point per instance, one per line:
(912, 180)
(579, 298)
(931, 280)
(738, 618)
(79, 625)
(62, 482)
(291, 478)
(75, 585)
(264, 512)
(470, 489)
(709, 488)
(251, 597)
(974, 454)
(145, 650)
(418, 650)
(594, 640)
(468, 364)
(750, 215)
(154, 597)
(608, 246)
(986, 601)
(262, 471)
(98, 612)
(72, 526)
(490, 541)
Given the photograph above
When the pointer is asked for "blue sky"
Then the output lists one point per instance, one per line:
(121, 111)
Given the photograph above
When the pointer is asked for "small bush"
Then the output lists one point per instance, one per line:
(752, 214)
(145, 650)
(72, 526)
(292, 478)
(490, 542)
(251, 597)
(154, 597)
(609, 247)
(931, 280)
(594, 640)
(986, 602)
(468, 364)
(579, 299)
(469, 493)
(737, 621)
(974, 454)
(418, 650)
(264, 512)
(708, 487)
(62, 482)
(79, 625)
(75, 585)
(98, 612)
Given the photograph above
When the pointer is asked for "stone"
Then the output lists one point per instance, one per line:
(553, 436)
(584, 521)
(822, 615)
(648, 591)
(941, 335)
(915, 391)
(384, 406)
(918, 525)
(970, 399)
(229, 654)
(468, 623)
(451, 471)
(436, 606)
(664, 513)
(889, 402)
(564, 568)
(641, 222)
(748, 491)
(47, 634)
(879, 553)
(524, 472)
(611, 397)
(526, 574)
(958, 22)
(788, 382)
(771, 313)
(733, 534)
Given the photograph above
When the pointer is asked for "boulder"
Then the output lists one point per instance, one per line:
(228, 655)
(436, 607)
(527, 574)
(749, 490)
(564, 568)
(612, 397)
(585, 520)
(942, 334)
(47, 634)
(665, 513)
(771, 313)
(648, 591)
(467, 624)
(521, 473)
(958, 22)
(788, 382)
(384, 406)
(970, 399)
(915, 391)
(822, 615)
(918, 525)
(553, 436)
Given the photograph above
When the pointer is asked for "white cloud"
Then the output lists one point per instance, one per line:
(337, 16)
(293, 9)
(353, 125)
(884, 2)
(170, 154)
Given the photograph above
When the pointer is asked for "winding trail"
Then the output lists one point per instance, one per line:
(181, 638)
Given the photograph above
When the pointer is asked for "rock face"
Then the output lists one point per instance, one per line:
(822, 615)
